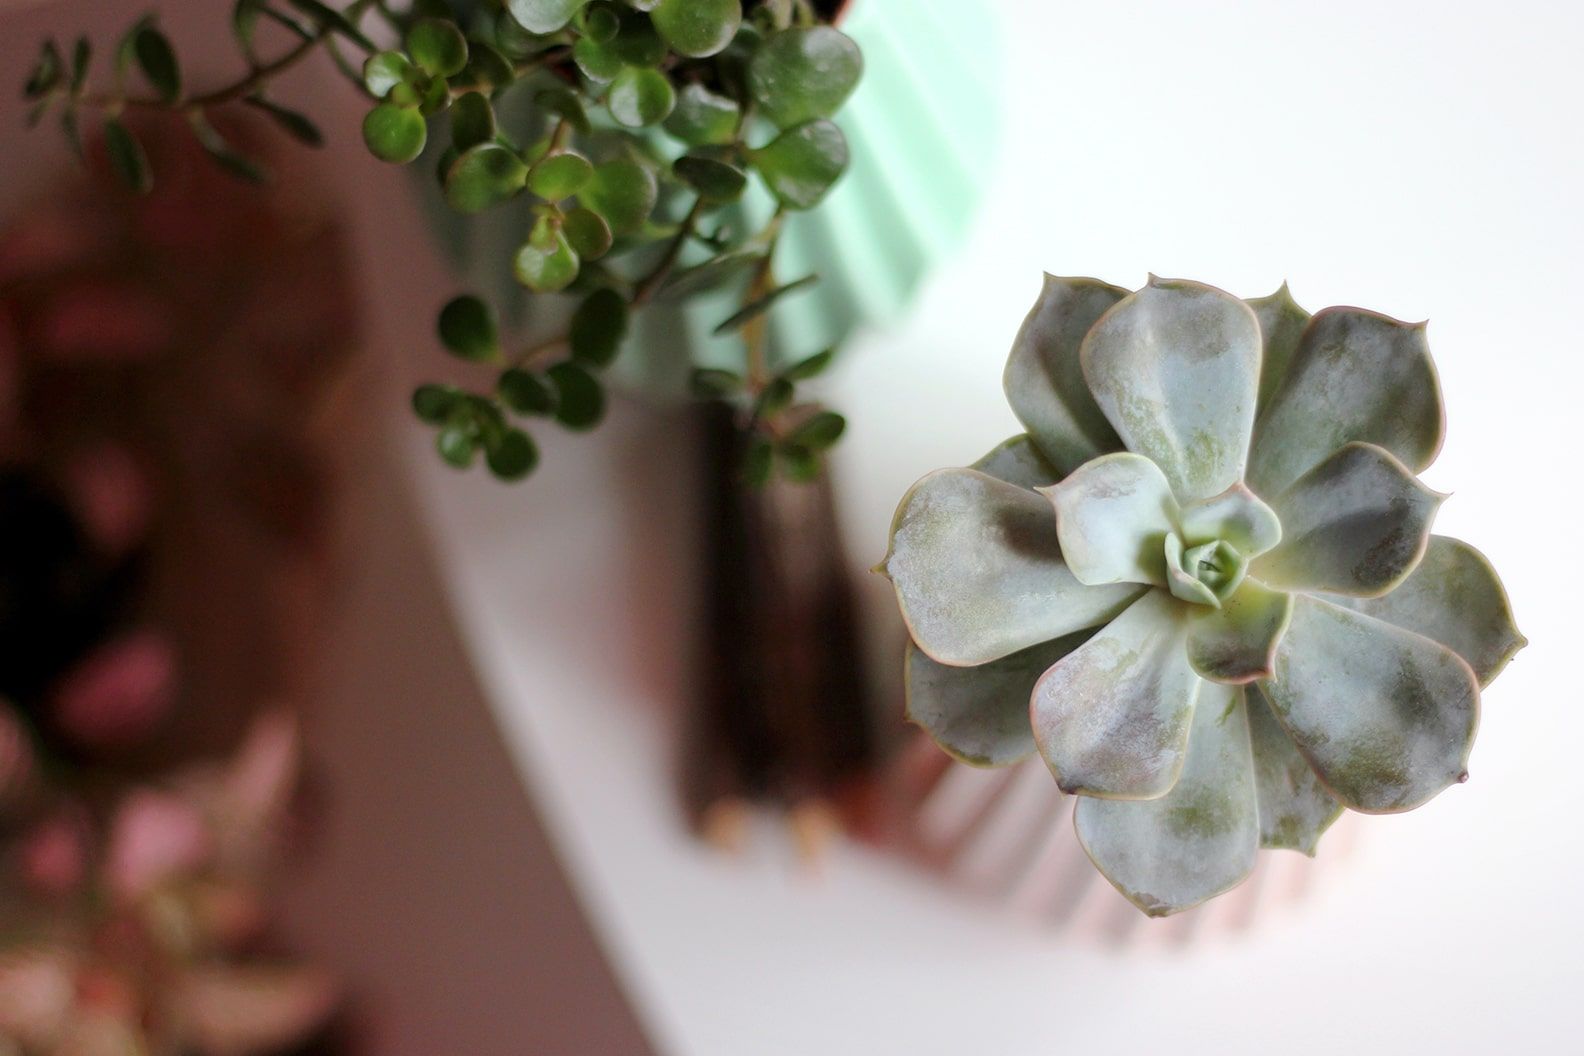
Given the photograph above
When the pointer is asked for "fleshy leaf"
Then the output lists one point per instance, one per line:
(979, 574)
(1201, 838)
(1175, 368)
(1236, 643)
(1044, 379)
(1018, 461)
(1112, 516)
(1454, 597)
(1385, 717)
(1180, 581)
(1112, 719)
(980, 715)
(1282, 324)
(1355, 524)
(1236, 515)
(1356, 375)
(1294, 807)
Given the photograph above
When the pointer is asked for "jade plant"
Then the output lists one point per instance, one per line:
(644, 123)
(1202, 586)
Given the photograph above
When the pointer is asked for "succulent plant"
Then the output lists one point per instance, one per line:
(1202, 585)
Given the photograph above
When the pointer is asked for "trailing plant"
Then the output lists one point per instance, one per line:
(647, 120)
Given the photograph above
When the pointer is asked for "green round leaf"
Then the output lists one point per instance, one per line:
(127, 158)
(600, 23)
(482, 176)
(708, 383)
(546, 269)
(543, 16)
(472, 120)
(564, 103)
(820, 431)
(467, 328)
(597, 328)
(560, 175)
(157, 60)
(640, 97)
(702, 117)
(580, 402)
(438, 46)
(525, 393)
(636, 42)
(697, 27)
(799, 463)
(798, 75)
(513, 456)
(384, 71)
(598, 62)
(456, 445)
(587, 233)
(802, 163)
(714, 179)
(434, 403)
(775, 397)
(435, 97)
(486, 66)
(394, 133)
(623, 192)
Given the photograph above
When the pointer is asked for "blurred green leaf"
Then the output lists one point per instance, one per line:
(587, 233)
(543, 16)
(623, 192)
(157, 59)
(127, 158)
(799, 463)
(636, 42)
(512, 456)
(437, 46)
(811, 367)
(821, 431)
(702, 117)
(580, 401)
(715, 179)
(598, 62)
(467, 328)
(384, 71)
(640, 97)
(801, 164)
(483, 176)
(328, 18)
(762, 304)
(774, 397)
(709, 383)
(712, 274)
(600, 23)
(472, 120)
(486, 67)
(82, 55)
(598, 327)
(394, 133)
(546, 268)
(697, 28)
(525, 393)
(456, 445)
(434, 403)
(244, 22)
(221, 151)
(295, 124)
(46, 73)
(801, 74)
(559, 175)
(564, 103)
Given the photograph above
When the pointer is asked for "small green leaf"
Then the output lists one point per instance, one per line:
(486, 67)
(762, 304)
(384, 71)
(758, 461)
(434, 403)
(811, 367)
(774, 397)
(820, 431)
(599, 62)
(799, 75)
(640, 97)
(127, 158)
(801, 164)
(636, 42)
(580, 402)
(587, 233)
(598, 327)
(244, 22)
(295, 124)
(222, 152)
(525, 393)
(512, 456)
(157, 59)
(394, 133)
(560, 175)
(456, 445)
(702, 117)
(46, 72)
(472, 120)
(708, 383)
(437, 46)
(543, 16)
(546, 268)
(799, 463)
(564, 103)
(82, 55)
(715, 179)
(710, 275)
(467, 328)
(600, 23)
(623, 192)
(697, 28)
(328, 18)
(483, 176)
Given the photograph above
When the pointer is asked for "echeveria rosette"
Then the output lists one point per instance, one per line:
(1202, 586)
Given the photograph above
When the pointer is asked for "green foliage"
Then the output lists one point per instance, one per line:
(647, 119)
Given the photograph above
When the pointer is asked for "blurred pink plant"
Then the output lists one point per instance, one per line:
(119, 692)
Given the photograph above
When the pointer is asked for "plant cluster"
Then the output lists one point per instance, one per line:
(647, 120)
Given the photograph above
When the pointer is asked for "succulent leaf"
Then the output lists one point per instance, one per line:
(1355, 524)
(1236, 642)
(1236, 515)
(1044, 379)
(1355, 375)
(1112, 718)
(1200, 839)
(1113, 516)
(1182, 582)
(980, 715)
(1175, 367)
(978, 571)
(1385, 716)
(1454, 597)
(1282, 323)
(1018, 461)
(1294, 807)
